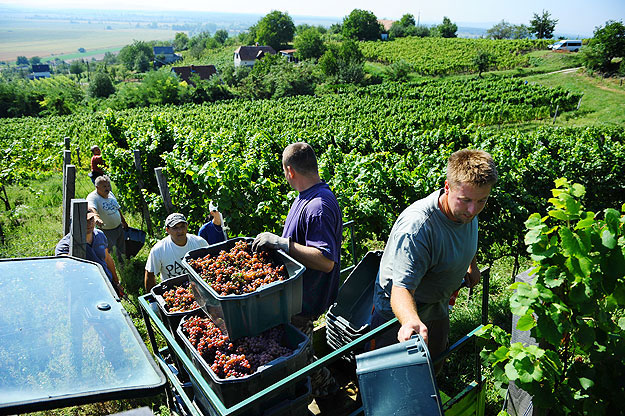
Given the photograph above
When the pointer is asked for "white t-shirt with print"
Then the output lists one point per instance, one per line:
(165, 256)
(108, 209)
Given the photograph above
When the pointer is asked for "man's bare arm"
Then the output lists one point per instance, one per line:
(405, 309)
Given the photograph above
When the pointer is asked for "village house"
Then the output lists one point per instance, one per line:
(289, 54)
(164, 55)
(40, 71)
(186, 73)
(247, 55)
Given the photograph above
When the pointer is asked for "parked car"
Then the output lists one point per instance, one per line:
(566, 45)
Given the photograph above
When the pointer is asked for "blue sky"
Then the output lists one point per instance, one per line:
(574, 16)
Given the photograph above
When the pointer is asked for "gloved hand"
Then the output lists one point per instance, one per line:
(270, 241)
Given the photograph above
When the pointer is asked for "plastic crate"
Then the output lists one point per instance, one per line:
(293, 400)
(355, 297)
(398, 380)
(135, 239)
(251, 313)
(170, 319)
(233, 390)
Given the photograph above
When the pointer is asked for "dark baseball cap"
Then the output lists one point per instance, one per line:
(175, 218)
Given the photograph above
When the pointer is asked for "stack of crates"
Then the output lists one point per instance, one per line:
(249, 315)
(348, 318)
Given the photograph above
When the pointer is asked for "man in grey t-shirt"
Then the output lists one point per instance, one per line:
(430, 251)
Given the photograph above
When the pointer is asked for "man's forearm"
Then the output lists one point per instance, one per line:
(405, 309)
(311, 257)
(150, 281)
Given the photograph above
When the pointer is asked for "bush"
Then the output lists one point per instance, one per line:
(101, 86)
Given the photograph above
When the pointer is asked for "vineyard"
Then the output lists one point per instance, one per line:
(380, 148)
(441, 56)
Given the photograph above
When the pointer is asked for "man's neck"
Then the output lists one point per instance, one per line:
(307, 184)
(443, 204)
(184, 243)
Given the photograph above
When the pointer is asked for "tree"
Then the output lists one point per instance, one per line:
(129, 54)
(361, 25)
(520, 32)
(221, 35)
(407, 20)
(101, 86)
(482, 62)
(181, 41)
(77, 67)
(276, 29)
(403, 27)
(142, 62)
(502, 30)
(35, 60)
(608, 43)
(309, 44)
(542, 25)
(447, 29)
(344, 63)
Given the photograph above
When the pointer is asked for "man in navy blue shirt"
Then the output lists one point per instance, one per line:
(312, 235)
(213, 231)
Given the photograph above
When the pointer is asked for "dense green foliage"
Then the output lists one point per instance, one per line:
(436, 56)
(380, 147)
(309, 44)
(275, 29)
(447, 29)
(361, 25)
(542, 26)
(607, 43)
(574, 308)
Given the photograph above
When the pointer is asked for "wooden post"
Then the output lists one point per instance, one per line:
(67, 143)
(144, 205)
(580, 101)
(556, 114)
(78, 236)
(78, 155)
(69, 193)
(161, 179)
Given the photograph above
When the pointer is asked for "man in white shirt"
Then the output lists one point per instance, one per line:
(109, 217)
(165, 256)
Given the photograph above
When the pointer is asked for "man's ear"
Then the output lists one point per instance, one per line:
(446, 186)
(289, 171)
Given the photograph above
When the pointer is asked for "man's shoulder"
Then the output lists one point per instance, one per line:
(196, 241)
(93, 195)
(415, 216)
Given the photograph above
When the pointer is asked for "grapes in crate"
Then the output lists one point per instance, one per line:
(180, 299)
(234, 358)
(239, 270)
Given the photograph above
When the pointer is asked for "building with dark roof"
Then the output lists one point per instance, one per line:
(247, 55)
(186, 73)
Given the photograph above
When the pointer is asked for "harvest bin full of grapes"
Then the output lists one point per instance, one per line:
(245, 293)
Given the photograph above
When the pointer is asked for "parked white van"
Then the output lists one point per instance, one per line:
(566, 45)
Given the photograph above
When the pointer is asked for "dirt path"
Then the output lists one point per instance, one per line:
(565, 71)
(591, 80)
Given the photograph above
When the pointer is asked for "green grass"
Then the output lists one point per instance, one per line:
(603, 102)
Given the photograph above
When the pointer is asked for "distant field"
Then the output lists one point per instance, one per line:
(44, 38)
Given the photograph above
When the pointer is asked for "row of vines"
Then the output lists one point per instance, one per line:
(444, 56)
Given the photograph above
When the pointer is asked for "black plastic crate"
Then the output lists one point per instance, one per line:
(251, 313)
(233, 390)
(170, 319)
(135, 239)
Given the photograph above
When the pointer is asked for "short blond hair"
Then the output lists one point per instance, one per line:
(471, 166)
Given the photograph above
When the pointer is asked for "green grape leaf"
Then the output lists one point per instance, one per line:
(608, 239)
(612, 266)
(558, 214)
(560, 182)
(585, 336)
(511, 371)
(547, 329)
(553, 277)
(526, 322)
(612, 219)
(578, 190)
(586, 383)
(621, 323)
(533, 221)
(588, 219)
(569, 243)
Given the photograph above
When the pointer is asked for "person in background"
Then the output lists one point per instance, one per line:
(213, 231)
(312, 235)
(109, 217)
(165, 256)
(96, 250)
(430, 252)
(97, 164)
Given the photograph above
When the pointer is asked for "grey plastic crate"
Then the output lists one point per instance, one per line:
(398, 380)
(233, 390)
(251, 313)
